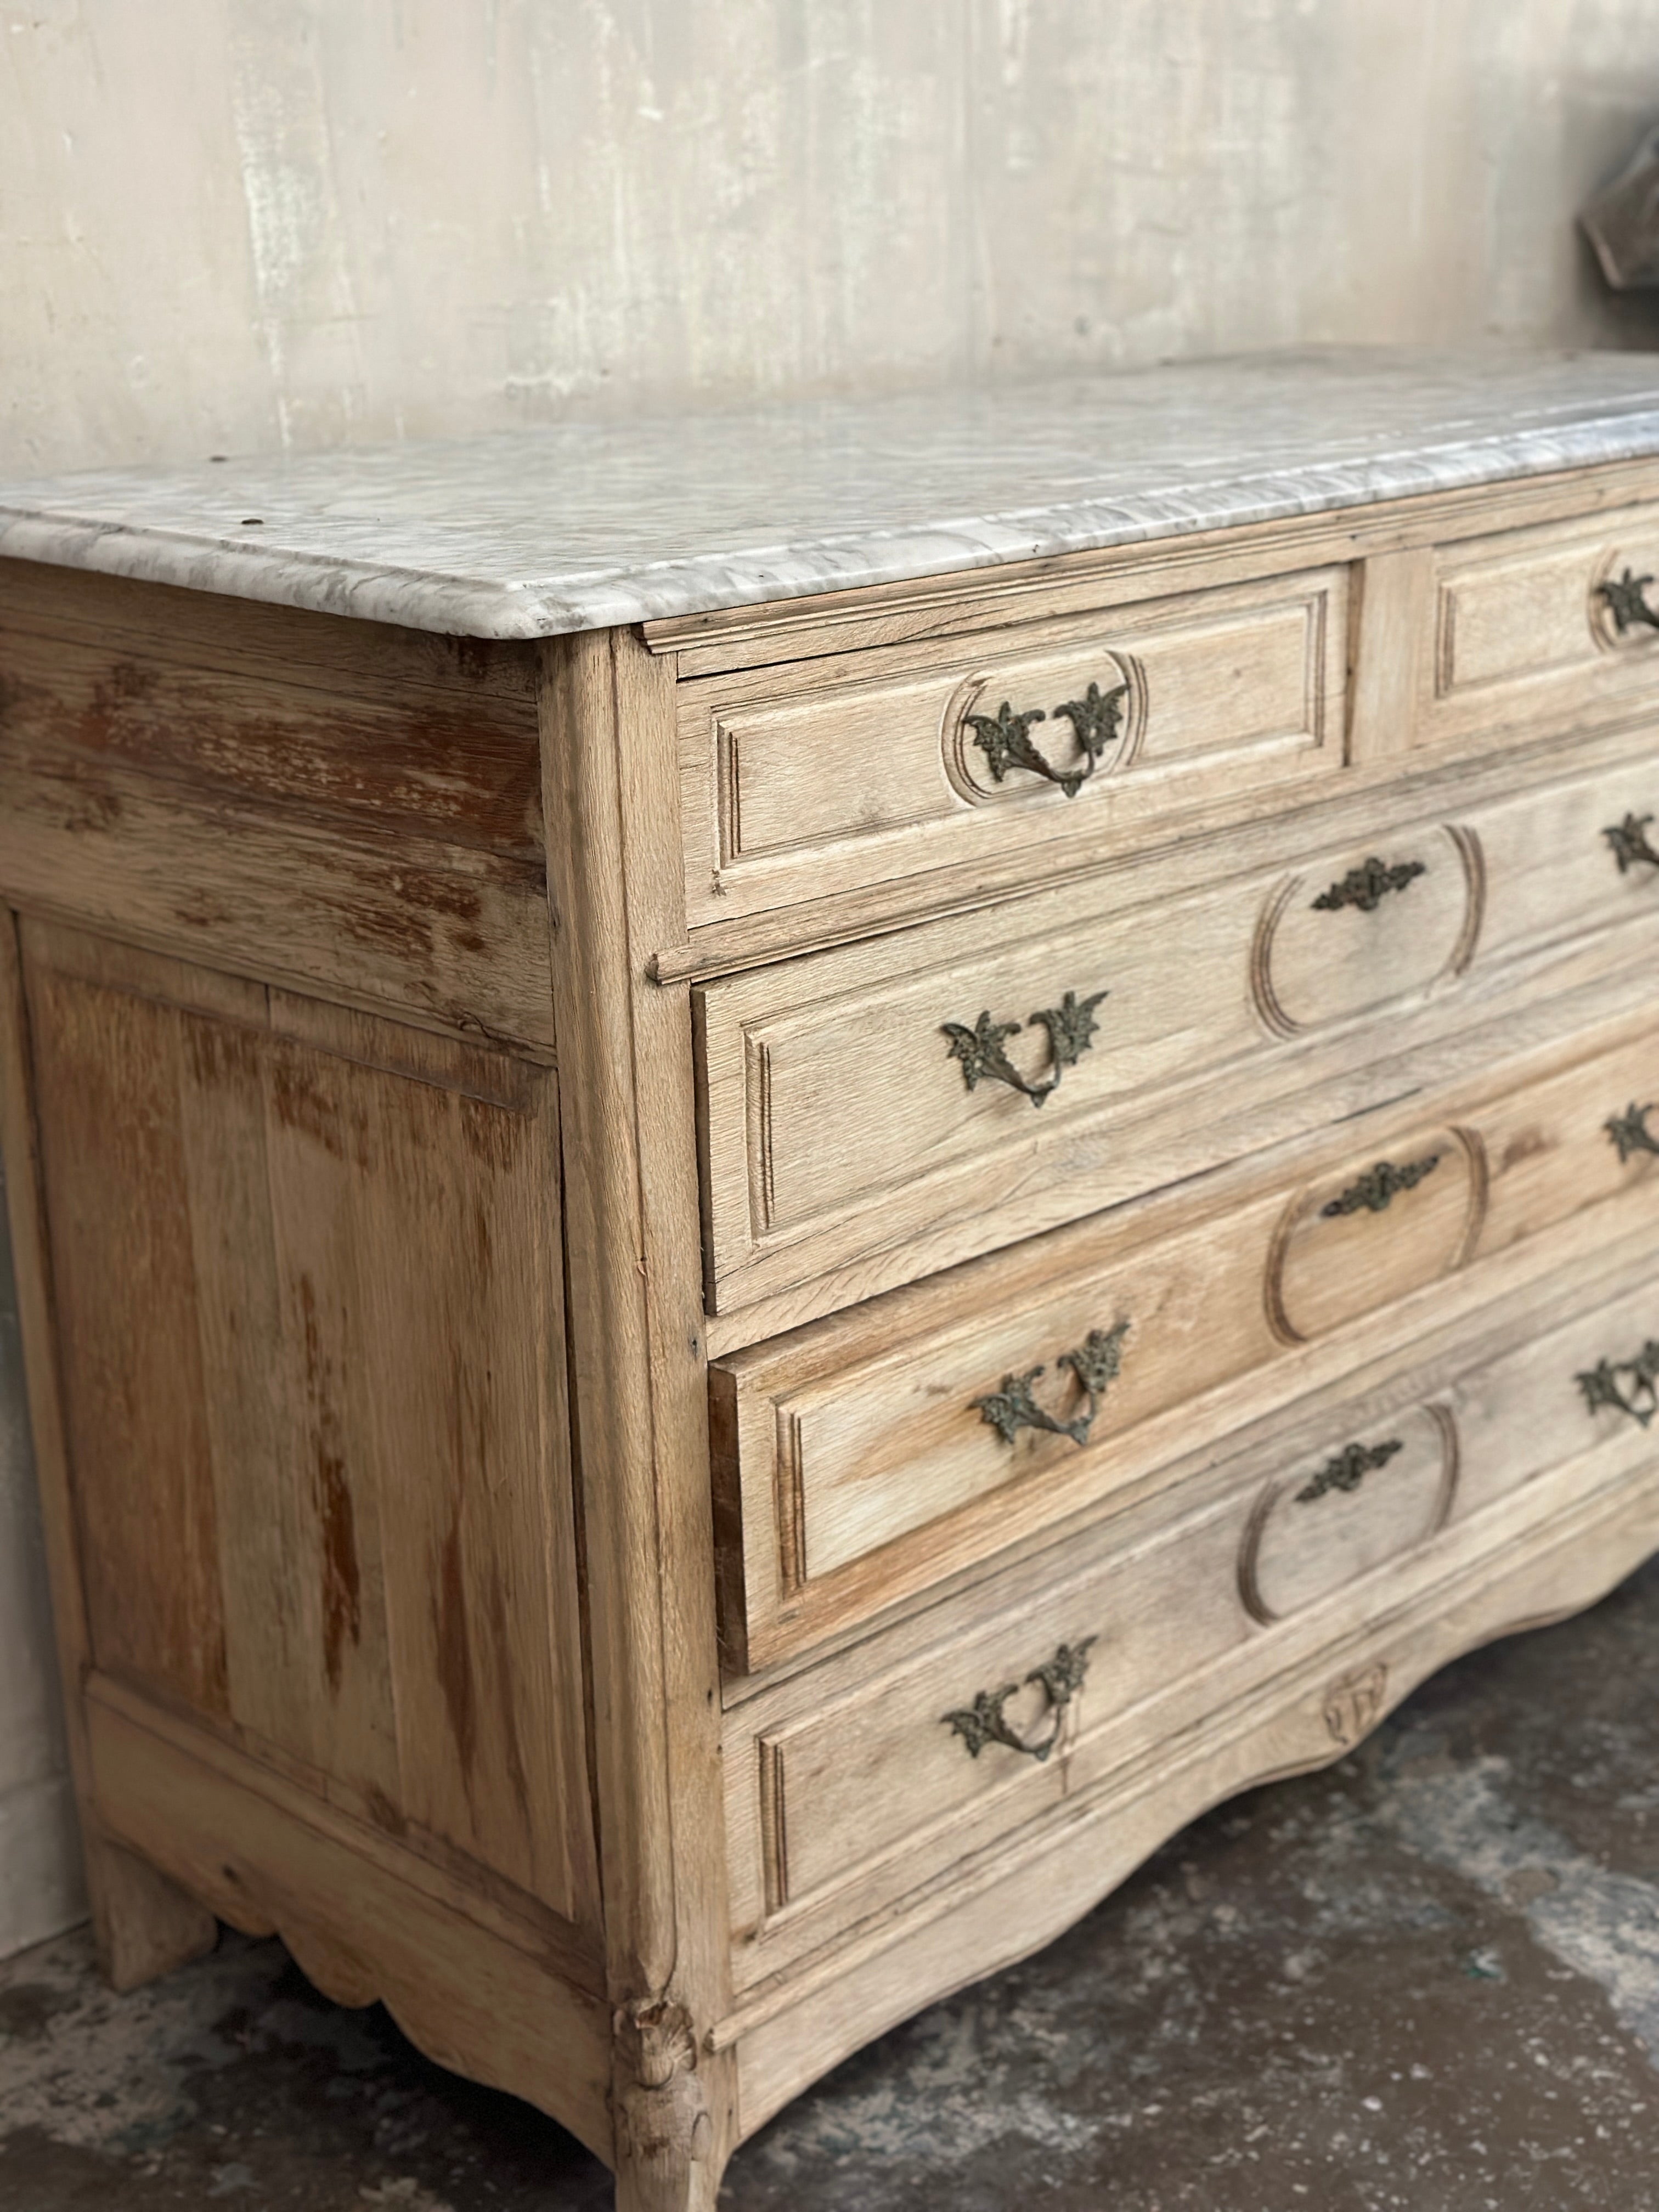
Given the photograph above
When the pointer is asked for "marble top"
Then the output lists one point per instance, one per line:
(581, 525)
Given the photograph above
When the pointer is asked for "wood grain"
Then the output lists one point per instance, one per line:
(833, 775)
(232, 784)
(143, 1925)
(640, 1402)
(840, 1448)
(1494, 1438)
(1522, 635)
(370, 1363)
(488, 2007)
(312, 1326)
(840, 1127)
(983, 1914)
(317, 717)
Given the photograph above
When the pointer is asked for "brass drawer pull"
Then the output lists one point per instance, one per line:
(1378, 1188)
(1071, 1026)
(1368, 886)
(1626, 601)
(1601, 1384)
(1094, 718)
(1349, 1468)
(1094, 1362)
(983, 1722)
(1629, 840)
(1631, 1132)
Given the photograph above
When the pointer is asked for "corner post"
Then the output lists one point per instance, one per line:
(639, 1393)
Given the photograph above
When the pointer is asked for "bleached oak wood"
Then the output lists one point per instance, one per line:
(841, 1124)
(853, 1467)
(500, 2010)
(1523, 634)
(1181, 857)
(143, 1925)
(370, 1360)
(985, 1914)
(1393, 639)
(316, 1423)
(638, 1386)
(827, 775)
(1220, 1580)
(360, 817)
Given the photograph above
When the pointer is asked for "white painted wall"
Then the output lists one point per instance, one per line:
(230, 222)
(40, 1889)
(227, 224)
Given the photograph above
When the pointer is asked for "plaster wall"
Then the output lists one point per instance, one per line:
(230, 223)
(236, 224)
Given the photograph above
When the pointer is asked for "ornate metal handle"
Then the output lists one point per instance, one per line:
(1378, 1188)
(1629, 840)
(1625, 602)
(1094, 1362)
(1630, 1131)
(1368, 886)
(1071, 1026)
(984, 1722)
(1348, 1469)
(1094, 718)
(1601, 1384)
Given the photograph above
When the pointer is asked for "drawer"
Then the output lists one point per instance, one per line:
(1551, 628)
(859, 1460)
(857, 1782)
(886, 1109)
(851, 769)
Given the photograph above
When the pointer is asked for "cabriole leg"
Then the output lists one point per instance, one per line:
(669, 2155)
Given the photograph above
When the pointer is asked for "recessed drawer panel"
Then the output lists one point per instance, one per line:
(861, 1459)
(904, 1103)
(847, 770)
(854, 1782)
(1552, 627)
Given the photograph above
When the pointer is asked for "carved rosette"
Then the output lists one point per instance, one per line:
(1353, 1704)
(659, 2107)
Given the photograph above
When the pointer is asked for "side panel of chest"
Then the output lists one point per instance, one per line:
(307, 1281)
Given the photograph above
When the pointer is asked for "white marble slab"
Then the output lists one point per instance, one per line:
(581, 525)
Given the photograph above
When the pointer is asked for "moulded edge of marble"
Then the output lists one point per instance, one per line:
(583, 598)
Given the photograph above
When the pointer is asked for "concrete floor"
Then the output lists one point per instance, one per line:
(1428, 1978)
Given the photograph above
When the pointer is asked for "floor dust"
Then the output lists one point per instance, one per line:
(1426, 1979)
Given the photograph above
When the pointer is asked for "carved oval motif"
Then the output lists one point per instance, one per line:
(1043, 689)
(1342, 1512)
(1354, 931)
(1386, 1223)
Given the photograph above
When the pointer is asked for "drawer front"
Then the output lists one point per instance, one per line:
(851, 769)
(861, 1459)
(859, 1781)
(1548, 628)
(904, 1103)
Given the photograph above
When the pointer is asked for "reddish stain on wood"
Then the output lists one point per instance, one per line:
(342, 1587)
(1525, 1144)
(454, 1647)
(331, 1498)
(384, 1813)
(501, 1638)
(304, 1103)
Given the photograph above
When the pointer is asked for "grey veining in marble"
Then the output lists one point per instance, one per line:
(582, 524)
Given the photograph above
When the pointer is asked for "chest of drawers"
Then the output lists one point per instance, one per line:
(773, 1180)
